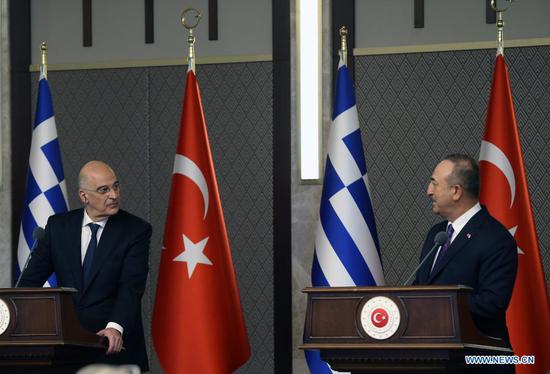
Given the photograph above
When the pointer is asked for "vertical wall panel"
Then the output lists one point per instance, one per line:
(416, 108)
(130, 119)
(102, 114)
(237, 104)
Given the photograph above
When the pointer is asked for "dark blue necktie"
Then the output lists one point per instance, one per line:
(87, 264)
(443, 250)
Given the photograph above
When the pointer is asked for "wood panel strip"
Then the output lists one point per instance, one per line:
(149, 21)
(87, 23)
(418, 14)
(212, 19)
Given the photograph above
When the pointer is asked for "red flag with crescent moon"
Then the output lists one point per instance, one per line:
(198, 324)
(504, 191)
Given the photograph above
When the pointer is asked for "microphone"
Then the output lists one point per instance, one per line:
(37, 234)
(439, 239)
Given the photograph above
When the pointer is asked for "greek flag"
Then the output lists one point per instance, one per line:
(46, 193)
(347, 252)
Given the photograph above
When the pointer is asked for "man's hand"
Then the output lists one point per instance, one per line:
(114, 337)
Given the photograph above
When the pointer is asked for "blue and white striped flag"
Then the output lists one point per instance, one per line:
(46, 193)
(347, 252)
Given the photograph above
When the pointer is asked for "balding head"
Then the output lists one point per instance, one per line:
(91, 170)
(99, 190)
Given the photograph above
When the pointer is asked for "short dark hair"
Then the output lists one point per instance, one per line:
(465, 172)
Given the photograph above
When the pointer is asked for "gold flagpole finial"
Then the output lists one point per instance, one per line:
(44, 66)
(344, 44)
(190, 19)
(500, 24)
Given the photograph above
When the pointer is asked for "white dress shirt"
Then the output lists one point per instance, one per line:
(85, 236)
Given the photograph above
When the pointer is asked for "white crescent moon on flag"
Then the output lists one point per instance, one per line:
(186, 167)
(375, 317)
(491, 153)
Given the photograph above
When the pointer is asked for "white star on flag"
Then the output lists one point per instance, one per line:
(193, 254)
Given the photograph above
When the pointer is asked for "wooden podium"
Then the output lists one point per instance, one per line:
(40, 332)
(417, 329)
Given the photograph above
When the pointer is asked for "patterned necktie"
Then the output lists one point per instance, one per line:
(87, 264)
(445, 247)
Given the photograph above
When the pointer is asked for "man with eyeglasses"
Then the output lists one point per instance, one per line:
(102, 251)
(479, 252)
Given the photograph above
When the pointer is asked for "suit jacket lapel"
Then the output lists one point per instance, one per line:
(74, 245)
(461, 240)
(424, 276)
(424, 271)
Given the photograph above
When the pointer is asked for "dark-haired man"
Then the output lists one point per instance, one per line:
(479, 253)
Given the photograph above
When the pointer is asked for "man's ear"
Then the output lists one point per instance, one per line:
(458, 192)
(83, 197)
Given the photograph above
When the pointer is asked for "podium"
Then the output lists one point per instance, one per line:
(40, 332)
(416, 329)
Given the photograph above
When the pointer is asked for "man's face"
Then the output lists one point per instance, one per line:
(440, 192)
(101, 194)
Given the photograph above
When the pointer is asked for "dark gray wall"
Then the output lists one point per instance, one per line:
(416, 108)
(130, 119)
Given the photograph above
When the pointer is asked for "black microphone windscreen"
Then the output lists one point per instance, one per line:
(440, 238)
(38, 233)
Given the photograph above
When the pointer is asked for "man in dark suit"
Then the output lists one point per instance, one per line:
(479, 253)
(102, 251)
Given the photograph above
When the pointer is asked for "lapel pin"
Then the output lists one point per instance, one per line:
(468, 235)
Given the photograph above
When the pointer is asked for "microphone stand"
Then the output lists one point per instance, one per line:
(440, 239)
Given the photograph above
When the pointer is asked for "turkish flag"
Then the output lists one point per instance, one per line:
(198, 324)
(504, 191)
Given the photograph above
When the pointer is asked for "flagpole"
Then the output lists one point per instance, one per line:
(501, 141)
(344, 44)
(337, 261)
(44, 66)
(191, 13)
(500, 24)
(196, 264)
(46, 185)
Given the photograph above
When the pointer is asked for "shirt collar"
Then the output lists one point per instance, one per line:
(87, 220)
(460, 222)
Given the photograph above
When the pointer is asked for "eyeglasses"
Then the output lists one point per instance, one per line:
(102, 190)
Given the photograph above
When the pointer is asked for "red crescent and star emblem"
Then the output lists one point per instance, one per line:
(379, 317)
